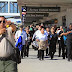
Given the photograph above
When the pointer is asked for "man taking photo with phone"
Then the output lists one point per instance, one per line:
(6, 50)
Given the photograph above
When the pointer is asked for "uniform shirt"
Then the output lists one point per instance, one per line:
(42, 37)
(6, 48)
(23, 34)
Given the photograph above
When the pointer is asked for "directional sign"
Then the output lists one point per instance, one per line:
(37, 15)
(42, 9)
(24, 9)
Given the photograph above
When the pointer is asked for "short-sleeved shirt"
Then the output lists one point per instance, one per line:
(6, 48)
(36, 34)
(42, 37)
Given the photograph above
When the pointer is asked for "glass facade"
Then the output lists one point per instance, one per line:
(3, 7)
(13, 7)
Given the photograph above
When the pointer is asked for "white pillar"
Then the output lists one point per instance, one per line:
(8, 6)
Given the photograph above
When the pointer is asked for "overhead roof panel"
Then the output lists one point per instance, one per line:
(44, 1)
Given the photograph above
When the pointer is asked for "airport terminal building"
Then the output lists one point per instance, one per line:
(48, 12)
(51, 12)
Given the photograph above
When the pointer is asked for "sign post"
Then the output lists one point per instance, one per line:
(23, 14)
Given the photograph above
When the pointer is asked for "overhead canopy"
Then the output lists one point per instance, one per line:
(43, 1)
(35, 11)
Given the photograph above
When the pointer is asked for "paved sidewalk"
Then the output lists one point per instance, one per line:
(32, 64)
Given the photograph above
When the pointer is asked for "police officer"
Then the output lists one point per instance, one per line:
(7, 64)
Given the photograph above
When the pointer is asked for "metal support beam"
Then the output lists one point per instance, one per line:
(13, 5)
(9, 14)
(8, 6)
(17, 8)
(3, 6)
(9, 0)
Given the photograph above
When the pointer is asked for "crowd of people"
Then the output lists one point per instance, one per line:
(40, 37)
(45, 39)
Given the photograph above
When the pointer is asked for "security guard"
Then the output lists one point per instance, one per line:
(7, 64)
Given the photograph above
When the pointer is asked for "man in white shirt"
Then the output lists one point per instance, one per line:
(61, 43)
(23, 34)
(36, 33)
(35, 36)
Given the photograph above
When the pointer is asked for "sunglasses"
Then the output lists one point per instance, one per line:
(2, 21)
